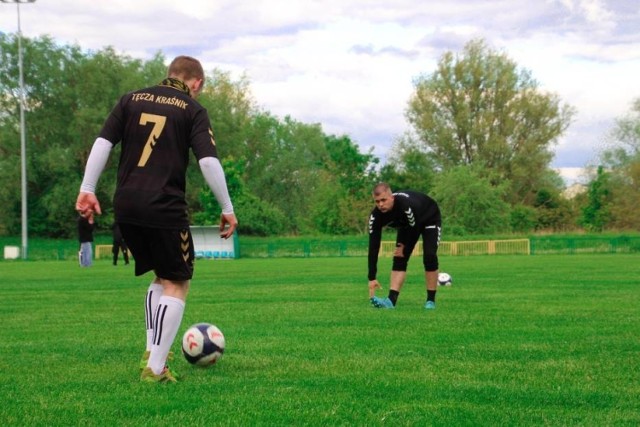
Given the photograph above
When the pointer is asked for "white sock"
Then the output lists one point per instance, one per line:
(166, 324)
(150, 305)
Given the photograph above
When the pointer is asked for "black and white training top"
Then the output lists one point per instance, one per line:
(411, 209)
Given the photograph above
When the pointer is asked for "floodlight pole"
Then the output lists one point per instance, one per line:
(23, 149)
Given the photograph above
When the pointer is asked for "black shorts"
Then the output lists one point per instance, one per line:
(430, 239)
(168, 253)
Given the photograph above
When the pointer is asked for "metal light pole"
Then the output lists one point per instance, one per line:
(23, 150)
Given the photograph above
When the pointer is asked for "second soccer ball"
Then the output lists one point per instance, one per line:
(444, 279)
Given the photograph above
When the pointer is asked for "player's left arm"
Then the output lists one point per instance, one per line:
(214, 175)
(204, 148)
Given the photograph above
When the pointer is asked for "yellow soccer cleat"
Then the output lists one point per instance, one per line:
(166, 376)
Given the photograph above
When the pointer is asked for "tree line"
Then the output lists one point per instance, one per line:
(480, 141)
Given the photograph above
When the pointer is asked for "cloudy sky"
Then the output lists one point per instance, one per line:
(350, 64)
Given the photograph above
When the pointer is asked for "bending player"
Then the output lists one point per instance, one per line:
(413, 214)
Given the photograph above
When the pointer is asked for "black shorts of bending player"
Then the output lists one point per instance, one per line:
(408, 237)
(168, 253)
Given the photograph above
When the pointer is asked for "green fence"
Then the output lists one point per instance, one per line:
(41, 249)
(304, 248)
(585, 244)
(533, 246)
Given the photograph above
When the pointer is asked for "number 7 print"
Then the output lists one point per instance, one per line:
(158, 125)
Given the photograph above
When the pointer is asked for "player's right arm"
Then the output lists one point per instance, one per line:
(87, 203)
(375, 238)
(214, 175)
(373, 285)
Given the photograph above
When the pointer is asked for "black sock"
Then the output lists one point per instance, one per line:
(431, 296)
(393, 296)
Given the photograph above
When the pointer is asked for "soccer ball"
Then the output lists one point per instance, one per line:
(444, 279)
(203, 344)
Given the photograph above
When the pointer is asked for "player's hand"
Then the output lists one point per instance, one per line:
(230, 221)
(87, 205)
(373, 285)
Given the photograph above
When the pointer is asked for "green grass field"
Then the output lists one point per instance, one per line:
(517, 340)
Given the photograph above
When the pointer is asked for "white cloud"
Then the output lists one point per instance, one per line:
(350, 65)
(574, 175)
(597, 13)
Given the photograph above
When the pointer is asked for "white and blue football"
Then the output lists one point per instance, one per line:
(203, 344)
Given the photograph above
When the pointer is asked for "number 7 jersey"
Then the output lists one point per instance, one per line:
(157, 127)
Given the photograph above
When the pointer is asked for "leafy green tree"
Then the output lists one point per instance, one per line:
(48, 110)
(622, 160)
(283, 166)
(230, 106)
(469, 203)
(596, 214)
(478, 108)
(285, 176)
(624, 139)
(408, 166)
(68, 96)
(523, 219)
(625, 197)
(353, 169)
(342, 198)
(553, 212)
(335, 210)
(327, 206)
(255, 216)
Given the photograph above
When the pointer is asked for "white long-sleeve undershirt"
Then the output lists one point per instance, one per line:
(210, 167)
(95, 164)
(214, 175)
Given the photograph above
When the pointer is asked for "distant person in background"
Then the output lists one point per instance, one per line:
(119, 245)
(413, 214)
(85, 236)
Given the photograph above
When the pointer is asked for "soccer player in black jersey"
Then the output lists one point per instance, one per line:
(413, 214)
(157, 128)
